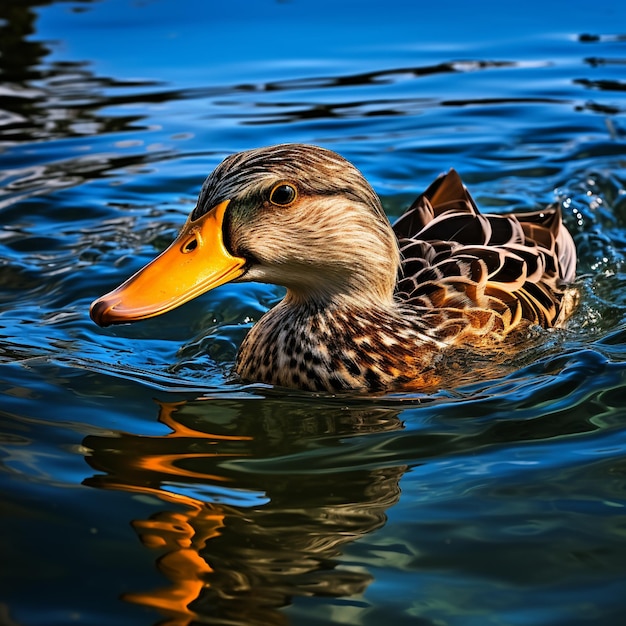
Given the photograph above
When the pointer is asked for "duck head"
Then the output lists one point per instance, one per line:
(292, 215)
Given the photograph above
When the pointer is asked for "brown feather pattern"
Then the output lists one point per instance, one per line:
(375, 307)
(518, 266)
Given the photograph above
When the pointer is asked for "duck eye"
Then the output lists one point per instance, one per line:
(283, 194)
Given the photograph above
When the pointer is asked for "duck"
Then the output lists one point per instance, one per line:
(369, 306)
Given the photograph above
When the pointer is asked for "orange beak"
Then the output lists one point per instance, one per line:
(196, 262)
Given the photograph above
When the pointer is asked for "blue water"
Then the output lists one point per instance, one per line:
(140, 484)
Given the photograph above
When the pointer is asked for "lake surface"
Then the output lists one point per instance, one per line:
(140, 483)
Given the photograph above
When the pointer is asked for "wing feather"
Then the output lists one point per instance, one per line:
(514, 266)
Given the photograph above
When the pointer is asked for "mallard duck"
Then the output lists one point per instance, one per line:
(368, 306)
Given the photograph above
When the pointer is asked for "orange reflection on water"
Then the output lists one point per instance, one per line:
(175, 463)
(182, 535)
(241, 563)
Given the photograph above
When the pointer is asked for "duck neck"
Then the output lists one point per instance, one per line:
(322, 300)
(363, 277)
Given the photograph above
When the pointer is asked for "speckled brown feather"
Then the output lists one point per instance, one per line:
(369, 307)
(463, 277)
(338, 349)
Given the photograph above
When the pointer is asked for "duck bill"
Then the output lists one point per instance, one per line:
(196, 262)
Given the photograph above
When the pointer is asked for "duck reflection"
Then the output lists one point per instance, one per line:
(262, 518)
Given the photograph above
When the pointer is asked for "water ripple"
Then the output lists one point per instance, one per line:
(259, 505)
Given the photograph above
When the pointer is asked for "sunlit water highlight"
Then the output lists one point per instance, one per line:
(140, 483)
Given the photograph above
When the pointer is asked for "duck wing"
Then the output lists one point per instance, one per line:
(456, 259)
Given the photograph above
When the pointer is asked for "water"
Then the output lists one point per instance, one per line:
(140, 484)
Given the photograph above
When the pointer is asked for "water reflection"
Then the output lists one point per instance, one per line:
(45, 101)
(252, 503)
(240, 544)
(20, 54)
